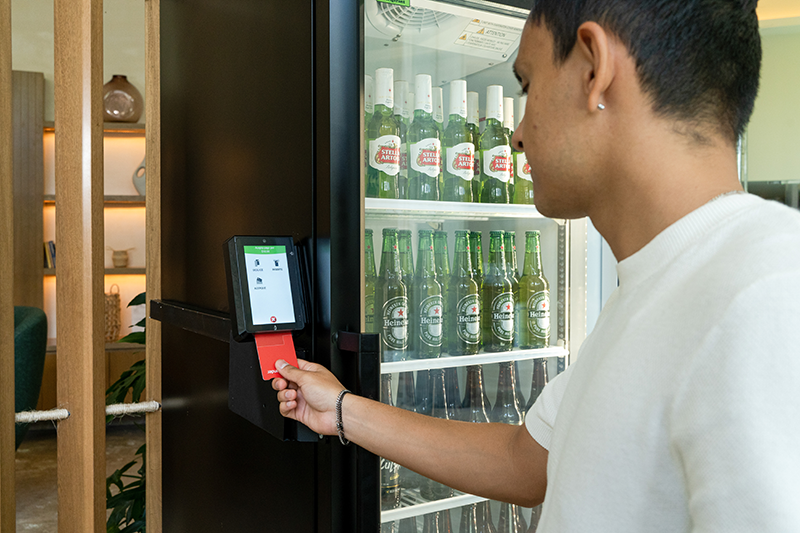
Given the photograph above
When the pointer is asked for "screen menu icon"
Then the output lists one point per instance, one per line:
(269, 285)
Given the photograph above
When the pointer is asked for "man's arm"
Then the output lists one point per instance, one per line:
(496, 461)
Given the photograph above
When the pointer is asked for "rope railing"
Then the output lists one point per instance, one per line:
(116, 409)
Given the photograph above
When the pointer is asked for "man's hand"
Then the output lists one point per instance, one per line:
(308, 394)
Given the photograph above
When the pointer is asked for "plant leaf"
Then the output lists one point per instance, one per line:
(137, 337)
(139, 299)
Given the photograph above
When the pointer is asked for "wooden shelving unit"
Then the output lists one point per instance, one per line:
(109, 201)
(108, 127)
(109, 271)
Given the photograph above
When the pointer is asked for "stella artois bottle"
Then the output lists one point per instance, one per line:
(438, 119)
(424, 145)
(473, 119)
(534, 293)
(391, 298)
(523, 182)
(513, 277)
(495, 150)
(498, 299)
(476, 251)
(464, 303)
(458, 148)
(433, 490)
(369, 282)
(400, 92)
(508, 129)
(369, 109)
(410, 109)
(428, 301)
(383, 135)
(390, 473)
(442, 257)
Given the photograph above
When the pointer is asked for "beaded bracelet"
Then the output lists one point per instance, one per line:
(339, 425)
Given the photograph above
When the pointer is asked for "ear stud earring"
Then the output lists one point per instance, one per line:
(600, 107)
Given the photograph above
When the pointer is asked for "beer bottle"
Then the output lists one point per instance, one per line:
(523, 182)
(369, 282)
(391, 298)
(428, 302)
(406, 256)
(534, 293)
(424, 145)
(453, 394)
(390, 474)
(498, 299)
(474, 407)
(445, 525)
(473, 118)
(424, 392)
(476, 251)
(538, 380)
(400, 92)
(495, 151)
(485, 517)
(520, 397)
(430, 523)
(408, 525)
(410, 109)
(389, 527)
(469, 519)
(433, 490)
(508, 129)
(511, 269)
(506, 408)
(536, 513)
(442, 260)
(406, 399)
(369, 109)
(459, 150)
(383, 135)
(438, 119)
(510, 519)
(463, 312)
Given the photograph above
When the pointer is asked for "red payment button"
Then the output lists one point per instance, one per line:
(274, 346)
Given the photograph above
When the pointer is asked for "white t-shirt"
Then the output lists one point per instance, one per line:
(682, 411)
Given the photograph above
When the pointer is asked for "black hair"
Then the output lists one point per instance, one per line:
(698, 60)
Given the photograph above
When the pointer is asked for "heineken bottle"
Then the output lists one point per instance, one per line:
(476, 251)
(534, 293)
(463, 311)
(406, 256)
(391, 298)
(383, 135)
(369, 109)
(511, 269)
(459, 149)
(433, 490)
(498, 299)
(390, 473)
(424, 145)
(495, 151)
(438, 119)
(523, 181)
(369, 282)
(508, 129)
(428, 302)
(473, 119)
(442, 260)
(400, 92)
(538, 380)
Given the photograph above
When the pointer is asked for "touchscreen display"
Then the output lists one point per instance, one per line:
(269, 285)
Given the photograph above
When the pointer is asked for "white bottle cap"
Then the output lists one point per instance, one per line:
(458, 98)
(494, 102)
(400, 91)
(369, 107)
(422, 90)
(473, 113)
(438, 112)
(409, 114)
(521, 103)
(508, 113)
(384, 79)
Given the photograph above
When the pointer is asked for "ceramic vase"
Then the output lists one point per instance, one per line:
(122, 102)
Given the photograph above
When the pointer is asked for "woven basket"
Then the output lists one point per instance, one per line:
(113, 324)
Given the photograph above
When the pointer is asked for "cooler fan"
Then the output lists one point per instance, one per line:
(393, 20)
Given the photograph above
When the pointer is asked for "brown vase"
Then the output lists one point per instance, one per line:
(122, 102)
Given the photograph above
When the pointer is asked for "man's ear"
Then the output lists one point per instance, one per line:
(597, 50)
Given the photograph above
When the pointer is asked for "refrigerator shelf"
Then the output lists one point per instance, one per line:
(414, 505)
(447, 361)
(439, 211)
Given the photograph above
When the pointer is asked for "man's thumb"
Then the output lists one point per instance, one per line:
(288, 371)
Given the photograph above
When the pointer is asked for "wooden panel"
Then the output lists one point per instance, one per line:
(28, 110)
(7, 499)
(79, 294)
(153, 238)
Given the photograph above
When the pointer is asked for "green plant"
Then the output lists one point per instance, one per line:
(127, 504)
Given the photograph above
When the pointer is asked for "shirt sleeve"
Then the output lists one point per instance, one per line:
(735, 424)
(541, 417)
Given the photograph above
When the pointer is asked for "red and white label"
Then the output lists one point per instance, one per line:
(461, 160)
(384, 154)
(522, 167)
(425, 156)
(497, 162)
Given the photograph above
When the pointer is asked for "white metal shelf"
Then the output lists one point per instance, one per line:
(412, 505)
(438, 211)
(448, 361)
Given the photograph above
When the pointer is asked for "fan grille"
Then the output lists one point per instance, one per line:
(412, 18)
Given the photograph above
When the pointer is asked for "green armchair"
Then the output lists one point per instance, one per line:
(30, 344)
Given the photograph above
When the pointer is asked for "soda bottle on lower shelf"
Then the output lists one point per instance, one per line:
(433, 490)
(390, 473)
(464, 302)
(534, 292)
(498, 299)
(442, 265)
(453, 394)
(474, 407)
(391, 301)
(509, 521)
(506, 408)
(538, 381)
(408, 525)
(406, 399)
(369, 282)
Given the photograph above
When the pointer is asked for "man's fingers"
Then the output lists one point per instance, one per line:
(287, 395)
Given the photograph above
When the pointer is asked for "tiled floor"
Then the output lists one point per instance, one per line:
(37, 499)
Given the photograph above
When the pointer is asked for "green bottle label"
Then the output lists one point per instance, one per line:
(425, 156)
(384, 154)
(497, 162)
(539, 314)
(468, 319)
(522, 167)
(460, 160)
(395, 323)
(503, 316)
(430, 320)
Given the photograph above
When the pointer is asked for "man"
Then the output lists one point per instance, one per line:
(682, 410)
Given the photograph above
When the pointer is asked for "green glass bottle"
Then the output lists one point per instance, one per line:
(508, 129)
(369, 109)
(369, 282)
(438, 119)
(427, 301)
(473, 119)
(400, 94)
(391, 298)
(534, 293)
(383, 135)
(390, 471)
(424, 145)
(443, 272)
(509, 243)
(523, 181)
(476, 251)
(459, 150)
(406, 256)
(463, 310)
(495, 150)
(497, 319)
